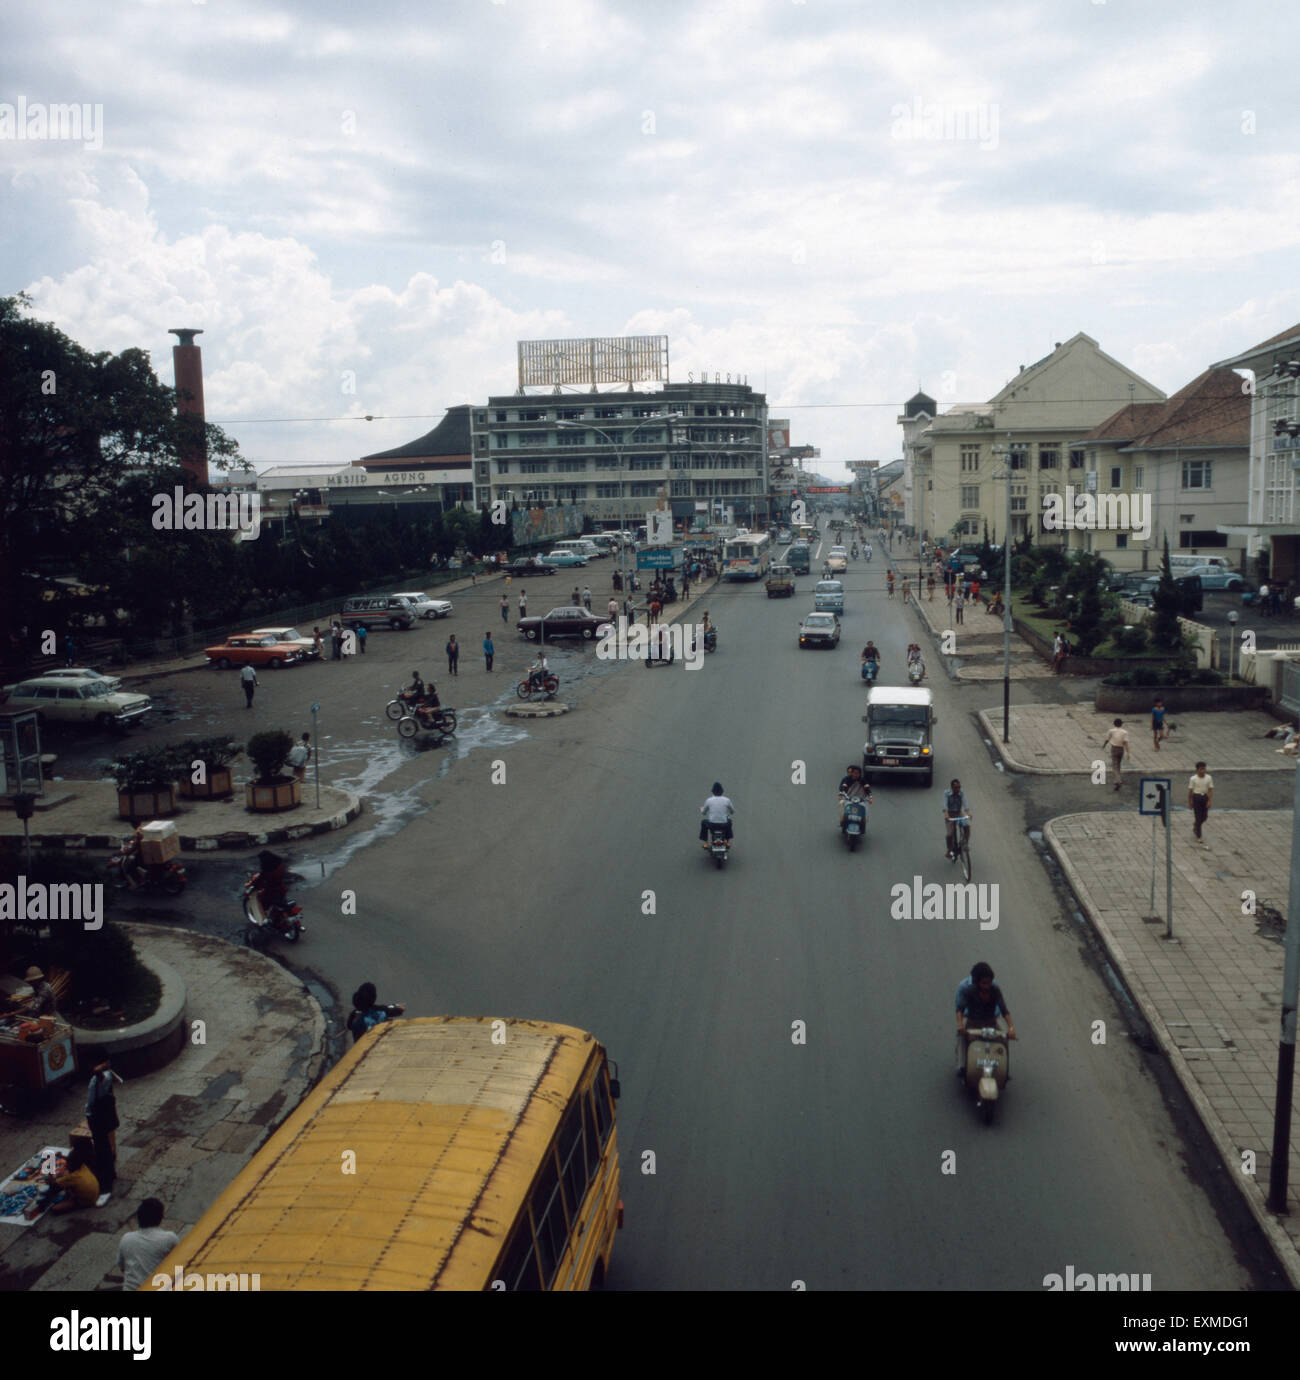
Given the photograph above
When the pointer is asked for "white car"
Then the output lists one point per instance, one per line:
(290, 635)
(114, 683)
(70, 699)
(426, 607)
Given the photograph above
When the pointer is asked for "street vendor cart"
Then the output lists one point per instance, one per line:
(36, 1055)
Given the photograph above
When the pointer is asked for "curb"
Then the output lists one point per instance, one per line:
(536, 711)
(1284, 1248)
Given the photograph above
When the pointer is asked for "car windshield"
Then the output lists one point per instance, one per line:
(95, 689)
(830, 587)
(899, 715)
(819, 620)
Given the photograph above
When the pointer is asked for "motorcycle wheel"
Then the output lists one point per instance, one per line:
(552, 684)
(293, 934)
(449, 720)
(395, 709)
(174, 885)
(853, 843)
(987, 1110)
(718, 860)
(117, 880)
(523, 690)
(407, 727)
(253, 936)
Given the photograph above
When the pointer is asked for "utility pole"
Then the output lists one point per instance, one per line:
(1006, 608)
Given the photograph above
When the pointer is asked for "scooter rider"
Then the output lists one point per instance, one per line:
(428, 703)
(717, 809)
(271, 881)
(955, 807)
(852, 787)
(979, 1002)
(871, 653)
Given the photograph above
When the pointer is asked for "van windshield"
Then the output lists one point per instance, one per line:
(899, 715)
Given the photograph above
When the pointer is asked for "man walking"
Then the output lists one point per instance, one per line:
(1116, 740)
(453, 656)
(1265, 604)
(523, 603)
(575, 598)
(248, 679)
(929, 586)
(1158, 729)
(586, 597)
(505, 609)
(317, 645)
(139, 1253)
(1200, 796)
(69, 651)
(361, 638)
(101, 1118)
(958, 605)
(1058, 653)
(613, 610)
(489, 651)
(336, 641)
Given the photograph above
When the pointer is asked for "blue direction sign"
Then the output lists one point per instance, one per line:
(658, 558)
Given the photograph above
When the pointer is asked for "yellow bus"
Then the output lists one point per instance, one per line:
(439, 1153)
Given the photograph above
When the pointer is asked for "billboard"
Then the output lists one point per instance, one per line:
(778, 433)
(593, 361)
(658, 528)
(531, 525)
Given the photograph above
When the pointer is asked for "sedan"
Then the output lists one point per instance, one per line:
(1218, 577)
(78, 700)
(563, 559)
(534, 565)
(84, 672)
(290, 635)
(253, 651)
(819, 630)
(569, 621)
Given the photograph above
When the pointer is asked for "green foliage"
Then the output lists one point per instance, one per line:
(104, 967)
(149, 769)
(1131, 640)
(1167, 606)
(1162, 677)
(212, 752)
(269, 751)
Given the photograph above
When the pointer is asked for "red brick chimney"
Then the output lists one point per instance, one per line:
(187, 362)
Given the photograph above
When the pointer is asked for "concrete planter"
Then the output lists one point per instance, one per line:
(1085, 665)
(219, 784)
(146, 804)
(285, 794)
(150, 1043)
(1179, 699)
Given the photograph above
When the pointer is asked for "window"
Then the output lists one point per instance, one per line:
(606, 490)
(1018, 505)
(500, 440)
(681, 488)
(1139, 476)
(1194, 538)
(569, 414)
(1116, 476)
(547, 1207)
(480, 418)
(681, 462)
(1076, 459)
(1019, 456)
(518, 1269)
(1121, 541)
(480, 442)
(501, 416)
(607, 462)
(606, 412)
(503, 466)
(532, 415)
(1197, 474)
(651, 436)
(570, 438)
(970, 459)
(970, 495)
(573, 1160)
(568, 466)
(533, 466)
(645, 462)
(1049, 458)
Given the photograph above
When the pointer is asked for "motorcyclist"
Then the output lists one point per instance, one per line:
(914, 658)
(853, 551)
(955, 807)
(132, 863)
(428, 704)
(538, 672)
(852, 787)
(866, 551)
(717, 809)
(871, 653)
(979, 1001)
(271, 881)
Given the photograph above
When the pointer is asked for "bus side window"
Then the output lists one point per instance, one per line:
(572, 1160)
(518, 1270)
(600, 1099)
(548, 1216)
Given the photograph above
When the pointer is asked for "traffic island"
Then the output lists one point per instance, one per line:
(548, 709)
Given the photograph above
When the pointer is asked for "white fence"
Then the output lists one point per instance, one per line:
(1204, 639)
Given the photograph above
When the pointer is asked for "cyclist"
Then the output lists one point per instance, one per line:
(889, 580)
(954, 807)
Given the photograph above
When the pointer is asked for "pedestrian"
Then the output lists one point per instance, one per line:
(1275, 599)
(959, 603)
(42, 1001)
(1200, 796)
(101, 1118)
(248, 679)
(317, 645)
(336, 641)
(907, 589)
(929, 586)
(1066, 647)
(1058, 653)
(974, 590)
(1158, 729)
(69, 651)
(453, 656)
(139, 1253)
(77, 1186)
(299, 756)
(575, 598)
(628, 611)
(523, 603)
(656, 608)
(367, 1013)
(586, 597)
(1116, 740)
(505, 609)
(613, 609)
(1265, 606)
(489, 651)
(361, 638)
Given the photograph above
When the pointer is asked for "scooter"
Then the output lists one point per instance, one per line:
(719, 844)
(916, 672)
(169, 876)
(988, 1065)
(854, 824)
(547, 686)
(284, 918)
(853, 551)
(440, 721)
(870, 670)
(711, 640)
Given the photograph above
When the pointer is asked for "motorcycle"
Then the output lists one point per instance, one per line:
(988, 1065)
(440, 721)
(853, 551)
(870, 670)
(284, 918)
(711, 640)
(854, 824)
(916, 672)
(169, 876)
(719, 844)
(866, 552)
(539, 685)
(402, 705)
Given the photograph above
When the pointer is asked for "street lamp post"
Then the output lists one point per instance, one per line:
(1233, 615)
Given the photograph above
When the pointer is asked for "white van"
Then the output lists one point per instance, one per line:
(580, 546)
(1185, 562)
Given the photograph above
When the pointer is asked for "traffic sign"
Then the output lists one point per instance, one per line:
(1149, 795)
(315, 709)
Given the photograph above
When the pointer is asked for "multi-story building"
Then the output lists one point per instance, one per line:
(1272, 525)
(610, 455)
(1035, 419)
(918, 412)
(1175, 470)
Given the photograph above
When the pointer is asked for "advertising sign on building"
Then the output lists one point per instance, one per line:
(658, 528)
(532, 525)
(778, 433)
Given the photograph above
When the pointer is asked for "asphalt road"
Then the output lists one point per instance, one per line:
(789, 1110)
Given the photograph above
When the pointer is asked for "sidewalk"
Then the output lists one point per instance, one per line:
(1211, 995)
(1058, 739)
(83, 814)
(188, 1128)
(977, 640)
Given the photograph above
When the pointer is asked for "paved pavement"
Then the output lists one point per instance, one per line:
(188, 1128)
(1212, 994)
(1052, 739)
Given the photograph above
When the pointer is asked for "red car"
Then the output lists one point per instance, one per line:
(253, 651)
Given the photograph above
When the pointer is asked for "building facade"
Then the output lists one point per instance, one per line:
(918, 413)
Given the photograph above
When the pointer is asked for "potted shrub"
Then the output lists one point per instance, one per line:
(209, 759)
(272, 788)
(146, 783)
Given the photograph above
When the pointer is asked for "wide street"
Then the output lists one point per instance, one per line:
(789, 1111)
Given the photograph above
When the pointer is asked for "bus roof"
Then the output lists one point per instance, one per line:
(447, 1125)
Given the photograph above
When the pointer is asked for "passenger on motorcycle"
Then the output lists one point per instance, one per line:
(271, 880)
(955, 807)
(979, 1001)
(717, 809)
(428, 704)
(852, 787)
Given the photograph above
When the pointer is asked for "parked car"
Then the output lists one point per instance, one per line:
(563, 559)
(568, 621)
(253, 651)
(289, 635)
(1189, 586)
(1218, 577)
(378, 611)
(426, 607)
(530, 565)
(113, 682)
(78, 699)
(819, 630)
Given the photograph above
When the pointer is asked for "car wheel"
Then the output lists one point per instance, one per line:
(223, 663)
(1235, 585)
(274, 664)
(104, 720)
(588, 634)
(531, 634)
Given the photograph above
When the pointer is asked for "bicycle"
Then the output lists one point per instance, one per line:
(961, 843)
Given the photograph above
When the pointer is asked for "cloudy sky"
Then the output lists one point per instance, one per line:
(840, 199)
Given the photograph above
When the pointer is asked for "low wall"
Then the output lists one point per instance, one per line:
(147, 1045)
(1085, 665)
